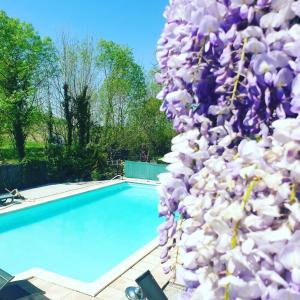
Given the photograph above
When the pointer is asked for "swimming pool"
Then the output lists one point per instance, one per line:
(81, 236)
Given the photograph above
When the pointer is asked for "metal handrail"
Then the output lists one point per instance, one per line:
(115, 177)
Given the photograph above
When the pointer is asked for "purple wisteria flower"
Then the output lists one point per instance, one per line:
(230, 72)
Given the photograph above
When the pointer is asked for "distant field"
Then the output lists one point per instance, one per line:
(8, 153)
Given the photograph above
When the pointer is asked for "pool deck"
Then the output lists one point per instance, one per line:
(47, 290)
(40, 288)
(52, 192)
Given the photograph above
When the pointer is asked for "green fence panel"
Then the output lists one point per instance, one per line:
(143, 170)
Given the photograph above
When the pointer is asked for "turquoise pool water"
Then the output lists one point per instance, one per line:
(81, 236)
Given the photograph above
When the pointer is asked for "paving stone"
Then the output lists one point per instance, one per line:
(152, 259)
(57, 292)
(41, 284)
(122, 283)
(173, 291)
(143, 266)
(132, 274)
(77, 296)
(34, 297)
(111, 293)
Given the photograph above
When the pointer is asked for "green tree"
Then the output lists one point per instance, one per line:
(150, 132)
(122, 91)
(75, 91)
(76, 84)
(26, 60)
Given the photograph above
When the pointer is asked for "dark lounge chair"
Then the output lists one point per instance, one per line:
(10, 197)
(16, 194)
(149, 289)
(7, 198)
(5, 278)
(20, 289)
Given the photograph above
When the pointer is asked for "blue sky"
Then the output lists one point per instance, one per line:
(136, 23)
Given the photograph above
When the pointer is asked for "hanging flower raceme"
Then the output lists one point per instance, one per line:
(231, 77)
(230, 60)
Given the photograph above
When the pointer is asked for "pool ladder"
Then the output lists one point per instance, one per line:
(117, 176)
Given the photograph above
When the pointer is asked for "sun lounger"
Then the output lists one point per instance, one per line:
(7, 198)
(18, 289)
(13, 196)
(148, 289)
(5, 278)
(16, 194)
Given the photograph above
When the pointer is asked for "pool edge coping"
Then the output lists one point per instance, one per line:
(95, 287)
(54, 197)
(88, 288)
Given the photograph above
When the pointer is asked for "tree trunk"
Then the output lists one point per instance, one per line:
(19, 136)
(68, 115)
(50, 124)
(83, 116)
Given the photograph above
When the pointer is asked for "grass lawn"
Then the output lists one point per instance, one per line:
(8, 153)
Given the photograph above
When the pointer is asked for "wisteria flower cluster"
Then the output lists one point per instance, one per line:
(231, 77)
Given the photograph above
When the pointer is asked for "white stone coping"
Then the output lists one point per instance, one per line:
(89, 288)
(44, 199)
(95, 287)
